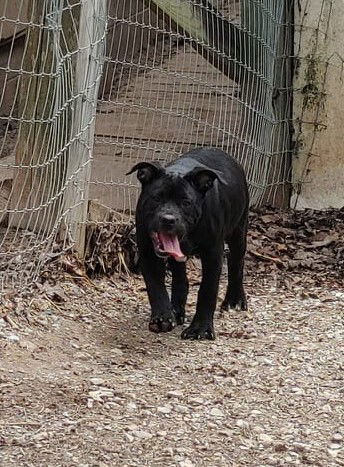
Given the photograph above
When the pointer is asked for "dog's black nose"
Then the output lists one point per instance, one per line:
(167, 220)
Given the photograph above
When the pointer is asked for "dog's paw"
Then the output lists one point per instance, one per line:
(163, 323)
(198, 332)
(237, 303)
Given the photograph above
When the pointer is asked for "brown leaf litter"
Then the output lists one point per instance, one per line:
(84, 383)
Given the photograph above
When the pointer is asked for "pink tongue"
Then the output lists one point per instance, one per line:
(170, 244)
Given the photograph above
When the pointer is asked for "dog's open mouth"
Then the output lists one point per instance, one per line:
(167, 245)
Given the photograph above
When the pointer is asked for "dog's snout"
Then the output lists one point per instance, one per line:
(168, 220)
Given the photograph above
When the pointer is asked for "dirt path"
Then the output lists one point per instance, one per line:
(85, 383)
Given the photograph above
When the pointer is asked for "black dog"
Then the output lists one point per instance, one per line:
(192, 206)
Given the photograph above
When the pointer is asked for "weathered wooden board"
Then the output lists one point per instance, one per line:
(5, 192)
(13, 21)
(15, 15)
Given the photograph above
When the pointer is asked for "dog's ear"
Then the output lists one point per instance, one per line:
(147, 171)
(202, 179)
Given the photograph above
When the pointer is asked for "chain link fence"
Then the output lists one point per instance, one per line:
(192, 73)
(51, 61)
(90, 87)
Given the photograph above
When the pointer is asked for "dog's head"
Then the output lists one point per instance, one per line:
(172, 204)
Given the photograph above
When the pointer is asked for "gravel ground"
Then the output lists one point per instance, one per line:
(84, 383)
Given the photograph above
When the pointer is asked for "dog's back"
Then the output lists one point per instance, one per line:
(227, 202)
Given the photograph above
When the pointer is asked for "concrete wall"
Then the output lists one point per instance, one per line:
(318, 165)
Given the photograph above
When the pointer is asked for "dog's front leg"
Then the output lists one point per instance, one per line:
(202, 325)
(180, 288)
(162, 315)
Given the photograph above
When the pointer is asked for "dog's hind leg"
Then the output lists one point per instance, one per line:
(180, 289)
(235, 296)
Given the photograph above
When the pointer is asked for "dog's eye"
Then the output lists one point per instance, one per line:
(186, 203)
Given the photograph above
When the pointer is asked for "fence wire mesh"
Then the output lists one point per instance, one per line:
(51, 61)
(88, 88)
(192, 73)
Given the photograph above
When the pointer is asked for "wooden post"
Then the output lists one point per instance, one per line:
(62, 64)
(45, 116)
(91, 22)
(34, 108)
(273, 97)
